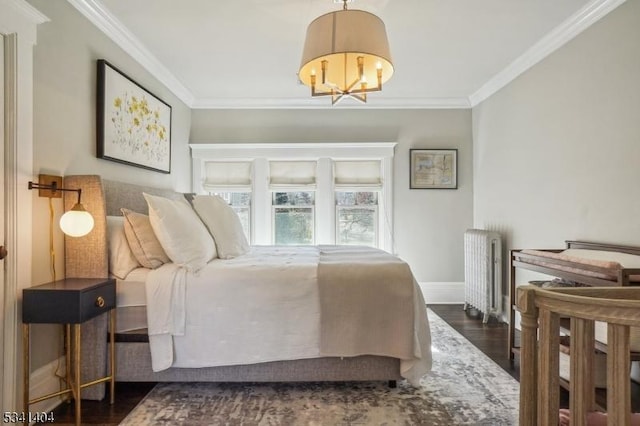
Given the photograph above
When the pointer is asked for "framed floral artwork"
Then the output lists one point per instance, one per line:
(433, 168)
(133, 125)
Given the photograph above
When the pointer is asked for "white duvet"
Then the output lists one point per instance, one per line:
(267, 306)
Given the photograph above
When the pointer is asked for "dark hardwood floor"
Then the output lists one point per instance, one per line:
(490, 338)
(128, 395)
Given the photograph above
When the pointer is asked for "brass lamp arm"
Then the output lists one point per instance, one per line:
(53, 188)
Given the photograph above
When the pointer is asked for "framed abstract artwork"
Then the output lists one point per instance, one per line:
(133, 125)
(433, 168)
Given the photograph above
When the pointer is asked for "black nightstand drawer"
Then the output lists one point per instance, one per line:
(68, 301)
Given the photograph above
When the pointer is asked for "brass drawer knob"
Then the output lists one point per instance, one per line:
(100, 302)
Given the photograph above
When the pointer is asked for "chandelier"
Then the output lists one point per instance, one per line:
(346, 55)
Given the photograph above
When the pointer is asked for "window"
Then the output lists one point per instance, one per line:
(293, 185)
(303, 193)
(357, 218)
(293, 217)
(357, 184)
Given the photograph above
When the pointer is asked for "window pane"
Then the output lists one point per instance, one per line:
(351, 198)
(357, 218)
(293, 225)
(298, 198)
(357, 226)
(236, 198)
(293, 217)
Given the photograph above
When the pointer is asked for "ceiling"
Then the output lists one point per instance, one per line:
(245, 54)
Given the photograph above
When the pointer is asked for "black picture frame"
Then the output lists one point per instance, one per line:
(133, 125)
(433, 168)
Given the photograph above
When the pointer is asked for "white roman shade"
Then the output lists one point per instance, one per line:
(227, 176)
(290, 174)
(350, 174)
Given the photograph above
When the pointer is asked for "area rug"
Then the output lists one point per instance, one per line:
(465, 387)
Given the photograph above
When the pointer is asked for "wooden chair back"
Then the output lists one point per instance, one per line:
(541, 311)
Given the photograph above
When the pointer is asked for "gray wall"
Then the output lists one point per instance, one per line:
(64, 131)
(429, 224)
(556, 151)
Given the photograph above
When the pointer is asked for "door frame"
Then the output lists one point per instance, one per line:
(18, 26)
(2, 205)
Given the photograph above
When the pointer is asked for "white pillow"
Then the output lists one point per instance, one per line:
(121, 258)
(223, 223)
(181, 233)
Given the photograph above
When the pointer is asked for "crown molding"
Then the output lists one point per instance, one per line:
(100, 16)
(20, 17)
(325, 103)
(563, 33)
(27, 11)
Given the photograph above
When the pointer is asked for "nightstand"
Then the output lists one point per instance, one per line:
(70, 301)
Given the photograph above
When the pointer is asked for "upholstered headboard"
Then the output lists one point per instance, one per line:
(119, 194)
(87, 256)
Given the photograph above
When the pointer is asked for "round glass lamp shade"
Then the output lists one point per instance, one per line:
(77, 222)
(340, 38)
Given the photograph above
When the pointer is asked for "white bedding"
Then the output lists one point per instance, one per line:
(131, 290)
(131, 301)
(266, 306)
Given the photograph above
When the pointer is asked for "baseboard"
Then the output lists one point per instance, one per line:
(443, 292)
(43, 381)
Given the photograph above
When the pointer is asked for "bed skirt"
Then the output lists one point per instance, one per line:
(137, 368)
(133, 364)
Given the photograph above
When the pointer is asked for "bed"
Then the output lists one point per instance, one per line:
(581, 263)
(338, 319)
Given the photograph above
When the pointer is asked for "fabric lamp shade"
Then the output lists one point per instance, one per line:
(340, 38)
